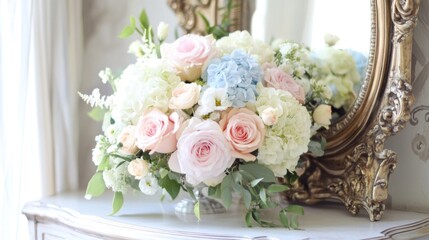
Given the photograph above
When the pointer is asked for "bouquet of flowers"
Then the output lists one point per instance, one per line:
(231, 114)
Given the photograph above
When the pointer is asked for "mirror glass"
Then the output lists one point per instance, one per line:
(313, 22)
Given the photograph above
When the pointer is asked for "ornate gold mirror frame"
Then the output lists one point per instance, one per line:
(356, 167)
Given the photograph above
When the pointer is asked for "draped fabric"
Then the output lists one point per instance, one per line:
(40, 65)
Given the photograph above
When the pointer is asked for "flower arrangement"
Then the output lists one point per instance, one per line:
(232, 114)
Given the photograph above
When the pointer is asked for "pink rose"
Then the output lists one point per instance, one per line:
(203, 153)
(244, 131)
(128, 140)
(276, 78)
(156, 131)
(189, 54)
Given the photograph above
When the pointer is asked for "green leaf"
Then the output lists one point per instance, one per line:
(295, 209)
(104, 164)
(205, 20)
(226, 192)
(144, 20)
(248, 218)
(259, 171)
(170, 185)
(97, 113)
(118, 201)
(263, 195)
(255, 182)
(275, 188)
(247, 198)
(237, 177)
(284, 219)
(294, 223)
(316, 148)
(126, 32)
(163, 172)
(197, 210)
(291, 177)
(256, 216)
(95, 186)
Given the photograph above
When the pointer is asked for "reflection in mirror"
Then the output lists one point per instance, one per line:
(336, 31)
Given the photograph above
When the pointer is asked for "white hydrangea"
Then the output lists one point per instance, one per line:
(338, 71)
(286, 140)
(98, 154)
(117, 178)
(100, 149)
(149, 185)
(243, 40)
(144, 85)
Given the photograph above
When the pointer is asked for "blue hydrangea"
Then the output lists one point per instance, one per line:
(238, 73)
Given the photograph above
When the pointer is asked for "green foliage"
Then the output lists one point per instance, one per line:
(226, 191)
(317, 146)
(170, 185)
(128, 30)
(258, 171)
(95, 186)
(224, 27)
(118, 201)
(97, 113)
(197, 210)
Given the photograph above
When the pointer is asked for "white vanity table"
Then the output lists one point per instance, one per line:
(70, 216)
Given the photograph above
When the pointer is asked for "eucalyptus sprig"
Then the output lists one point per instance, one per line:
(224, 27)
(258, 187)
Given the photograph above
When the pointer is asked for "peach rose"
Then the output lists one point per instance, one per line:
(128, 140)
(185, 96)
(322, 115)
(138, 168)
(203, 153)
(244, 131)
(156, 131)
(276, 78)
(189, 54)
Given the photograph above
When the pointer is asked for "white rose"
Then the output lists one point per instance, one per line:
(270, 116)
(185, 95)
(322, 115)
(162, 31)
(138, 168)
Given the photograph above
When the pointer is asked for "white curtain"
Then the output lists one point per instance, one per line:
(40, 65)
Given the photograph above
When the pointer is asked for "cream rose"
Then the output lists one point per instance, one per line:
(189, 54)
(203, 153)
(322, 115)
(156, 131)
(244, 131)
(278, 79)
(128, 140)
(138, 168)
(270, 116)
(185, 96)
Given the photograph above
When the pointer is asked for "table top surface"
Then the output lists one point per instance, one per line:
(144, 217)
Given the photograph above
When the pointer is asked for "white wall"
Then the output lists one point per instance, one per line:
(103, 20)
